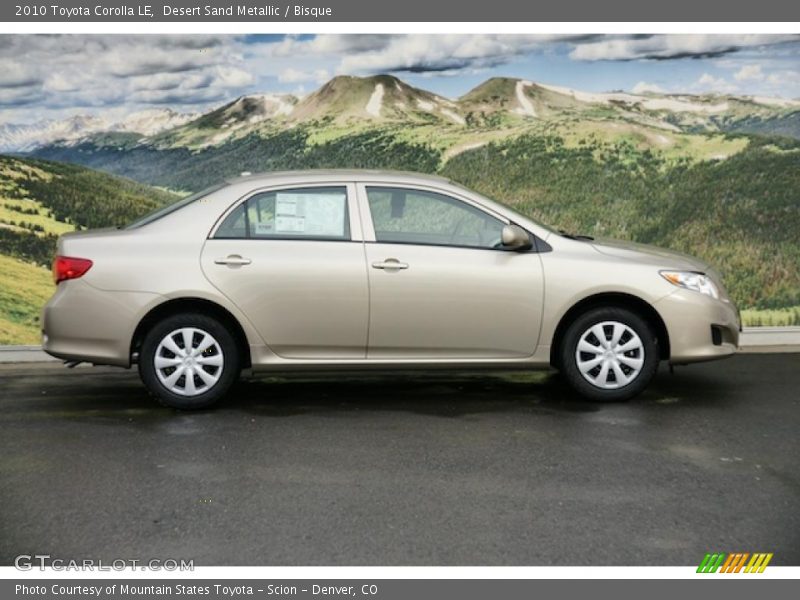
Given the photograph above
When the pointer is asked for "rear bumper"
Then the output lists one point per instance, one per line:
(700, 328)
(78, 323)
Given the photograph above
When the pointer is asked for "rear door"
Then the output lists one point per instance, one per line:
(441, 285)
(292, 259)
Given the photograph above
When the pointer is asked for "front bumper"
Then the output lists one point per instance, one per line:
(700, 328)
(82, 323)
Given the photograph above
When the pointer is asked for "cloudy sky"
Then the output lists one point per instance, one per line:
(45, 77)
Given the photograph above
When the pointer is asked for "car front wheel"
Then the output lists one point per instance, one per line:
(609, 354)
(189, 361)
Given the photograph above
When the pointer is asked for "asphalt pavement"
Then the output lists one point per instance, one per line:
(404, 469)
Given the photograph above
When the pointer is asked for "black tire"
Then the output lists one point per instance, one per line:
(568, 362)
(227, 346)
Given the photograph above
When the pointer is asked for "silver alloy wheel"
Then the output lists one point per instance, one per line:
(189, 361)
(610, 355)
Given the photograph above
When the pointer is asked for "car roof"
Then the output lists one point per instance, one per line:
(337, 175)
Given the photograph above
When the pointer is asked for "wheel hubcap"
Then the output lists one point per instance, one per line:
(610, 355)
(189, 361)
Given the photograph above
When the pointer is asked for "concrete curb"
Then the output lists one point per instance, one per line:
(753, 340)
(24, 354)
(770, 339)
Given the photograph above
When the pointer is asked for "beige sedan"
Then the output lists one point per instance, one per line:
(373, 269)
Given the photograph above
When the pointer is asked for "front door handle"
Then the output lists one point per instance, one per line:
(390, 264)
(233, 260)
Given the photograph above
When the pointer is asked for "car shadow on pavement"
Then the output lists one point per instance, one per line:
(113, 395)
(455, 394)
(441, 394)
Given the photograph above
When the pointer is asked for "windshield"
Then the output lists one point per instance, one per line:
(170, 208)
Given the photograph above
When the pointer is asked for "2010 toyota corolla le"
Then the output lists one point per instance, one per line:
(356, 269)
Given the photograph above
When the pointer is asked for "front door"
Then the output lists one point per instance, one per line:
(441, 285)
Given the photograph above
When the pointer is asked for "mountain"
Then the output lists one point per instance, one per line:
(25, 138)
(654, 168)
(383, 121)
(504, 105)
(343, 101)
(363, 102)
(151, 121)
(231, 120)
(40, 200)
(378, 98)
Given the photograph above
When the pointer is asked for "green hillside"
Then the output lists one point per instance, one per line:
(24, 289)
(741, 212)
(39, 200)
(713, 175)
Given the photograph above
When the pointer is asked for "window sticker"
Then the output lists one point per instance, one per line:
(286, 204)
(265, 228)
(288, 224)
(309, 213)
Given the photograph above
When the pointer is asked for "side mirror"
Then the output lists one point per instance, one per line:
(515, 237)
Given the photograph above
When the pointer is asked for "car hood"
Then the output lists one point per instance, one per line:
(651, 254)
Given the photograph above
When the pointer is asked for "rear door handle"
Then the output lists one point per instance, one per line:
(390, 264)
(233, 260)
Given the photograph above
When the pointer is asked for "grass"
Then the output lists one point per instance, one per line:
(668, 144)
(10, 213)
(24, 290)
(781, 317)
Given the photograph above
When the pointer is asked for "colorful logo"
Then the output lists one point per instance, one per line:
(735, 562)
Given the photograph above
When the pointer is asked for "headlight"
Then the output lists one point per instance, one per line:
(690, 280)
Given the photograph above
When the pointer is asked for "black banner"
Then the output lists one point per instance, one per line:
(741, 586)
(181, 11)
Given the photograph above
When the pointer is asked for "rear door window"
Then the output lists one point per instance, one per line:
(318, 213)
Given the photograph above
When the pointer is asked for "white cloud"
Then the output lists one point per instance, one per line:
(19, 96)
(44, 76)
(292, 46)
(440, 54)
(420, 53)
(231, 77)
(713, 84)
(749, 73)
(672, 46)
(450, 54)
(83, 72)
(784, 77)
(292, 75)
(643, 88)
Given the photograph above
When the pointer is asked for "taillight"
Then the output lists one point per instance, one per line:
(67, 267)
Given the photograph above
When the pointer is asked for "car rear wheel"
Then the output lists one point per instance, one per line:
(189, 361)
(609, 354)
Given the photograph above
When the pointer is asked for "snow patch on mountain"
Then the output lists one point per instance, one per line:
(456, 118)
(525, 105)
(277, 104)
(375, 101)
(23, 138)
(770, 101)
(27, 137)
(151, 121)
(683, 106)
(669, 104)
